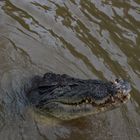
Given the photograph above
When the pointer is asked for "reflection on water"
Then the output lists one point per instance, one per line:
(85, 39)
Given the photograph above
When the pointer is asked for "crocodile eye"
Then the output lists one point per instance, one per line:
(117, 80)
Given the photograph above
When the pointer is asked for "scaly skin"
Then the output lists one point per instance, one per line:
(68, 98)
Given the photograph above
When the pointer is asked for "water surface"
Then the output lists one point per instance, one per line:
(82, 38)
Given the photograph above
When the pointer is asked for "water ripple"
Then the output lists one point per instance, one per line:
(85, 39)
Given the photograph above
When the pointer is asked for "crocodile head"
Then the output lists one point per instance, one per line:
(74, 98)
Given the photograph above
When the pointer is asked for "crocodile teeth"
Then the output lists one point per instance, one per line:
(91, 102)
(78, 105)
(86, 101)
(112, 99)
(102, 101)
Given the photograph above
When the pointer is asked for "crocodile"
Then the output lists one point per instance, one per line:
(67, 98)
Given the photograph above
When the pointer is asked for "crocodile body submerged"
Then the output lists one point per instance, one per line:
(68, 98)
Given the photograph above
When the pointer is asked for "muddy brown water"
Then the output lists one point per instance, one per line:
(82, 38)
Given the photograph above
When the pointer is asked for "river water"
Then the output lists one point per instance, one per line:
(82, 38)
